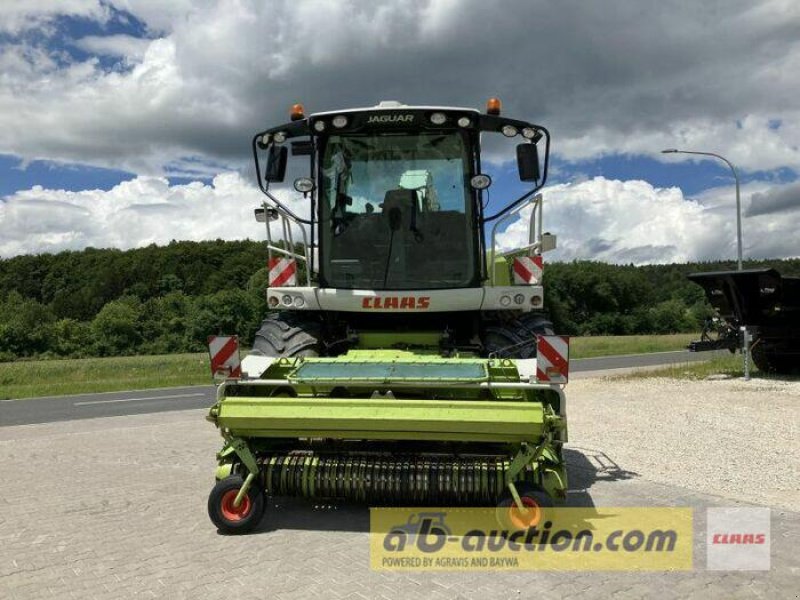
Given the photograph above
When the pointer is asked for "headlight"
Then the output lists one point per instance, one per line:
(480, 181)
(519, 298)
(505, 300)
(303, 184)
(438, 118)
(339, 121)
(287, 300)
(299, 301)
(279, 137)
(536, 300)
(464, 122)
(273, 301)
(319, 126)
(529, 133)
(509, 130)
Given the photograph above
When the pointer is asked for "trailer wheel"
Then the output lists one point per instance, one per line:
(533, 498)
(769, 361)
(235, 519)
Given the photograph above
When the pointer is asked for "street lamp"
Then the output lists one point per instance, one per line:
(738, 200)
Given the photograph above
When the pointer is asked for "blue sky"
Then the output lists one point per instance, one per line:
(109, 106)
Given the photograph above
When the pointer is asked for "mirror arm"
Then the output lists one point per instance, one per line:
(264, 188)
(536, 188)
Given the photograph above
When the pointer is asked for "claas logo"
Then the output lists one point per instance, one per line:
(396, 302)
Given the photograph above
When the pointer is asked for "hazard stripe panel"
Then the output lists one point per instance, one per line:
(528, 270)
(282, 272)
(552, 359)
(224, 352)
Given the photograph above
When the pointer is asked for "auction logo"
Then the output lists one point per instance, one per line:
(565, 539)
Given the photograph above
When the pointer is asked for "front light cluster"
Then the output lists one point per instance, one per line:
(286, 301)
(338, 122)
(507, 300)
(440, 118)
(529, 133)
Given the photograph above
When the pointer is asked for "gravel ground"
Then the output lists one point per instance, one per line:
(730, 438)
(115, 507)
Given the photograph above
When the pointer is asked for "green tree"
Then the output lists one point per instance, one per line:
(116, 327)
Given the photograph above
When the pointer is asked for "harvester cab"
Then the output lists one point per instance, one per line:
(407, 359)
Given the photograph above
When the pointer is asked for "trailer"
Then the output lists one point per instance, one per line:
(762, 301)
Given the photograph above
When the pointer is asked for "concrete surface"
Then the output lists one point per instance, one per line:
(115, 507)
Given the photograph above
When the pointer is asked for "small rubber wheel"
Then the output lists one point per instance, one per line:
(235, 519)
(534, 499)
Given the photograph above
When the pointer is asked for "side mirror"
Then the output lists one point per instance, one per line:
(528, 162)
(276, 164)
(262, 214)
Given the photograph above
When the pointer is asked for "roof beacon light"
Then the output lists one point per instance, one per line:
(297, 112)
(493, 106)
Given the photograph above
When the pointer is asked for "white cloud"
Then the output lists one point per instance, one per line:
(600, 219)
(139, 212)
(605, 77)
(633, 222)
(126, 46)
(17, 16)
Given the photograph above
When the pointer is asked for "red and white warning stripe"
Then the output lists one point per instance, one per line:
(282, 272)
(224, 351)
(552, 359)
(528, 270)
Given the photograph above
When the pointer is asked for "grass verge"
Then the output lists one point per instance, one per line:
(726, 365)
(32, 378)
(611, 345)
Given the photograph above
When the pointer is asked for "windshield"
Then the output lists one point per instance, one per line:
(395, 212)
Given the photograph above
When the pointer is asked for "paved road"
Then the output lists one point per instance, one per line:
(114, 404)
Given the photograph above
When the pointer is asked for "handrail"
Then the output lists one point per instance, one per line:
(533, 231)
(286, 225)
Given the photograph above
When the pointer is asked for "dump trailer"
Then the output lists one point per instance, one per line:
(764, 302)
(407, 360)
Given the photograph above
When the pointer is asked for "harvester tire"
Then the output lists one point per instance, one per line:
(288, 334)
(516, 337)
(229, 518)
(537, 323)
(535, 500)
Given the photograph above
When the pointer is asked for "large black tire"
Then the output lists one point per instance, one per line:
(515, 337)
(769, 361)
(289, 334)
(229, 518)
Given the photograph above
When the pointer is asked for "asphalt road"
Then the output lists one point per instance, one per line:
(114, 404)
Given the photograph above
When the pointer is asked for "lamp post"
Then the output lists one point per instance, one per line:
(738, 199)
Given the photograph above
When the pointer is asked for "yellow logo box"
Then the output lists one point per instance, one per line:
(559, 539)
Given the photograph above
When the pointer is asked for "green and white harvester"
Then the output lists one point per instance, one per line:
(407, 359)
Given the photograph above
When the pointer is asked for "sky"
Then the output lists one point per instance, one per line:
(128, 122)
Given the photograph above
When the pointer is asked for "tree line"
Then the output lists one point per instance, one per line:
(166, 299)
